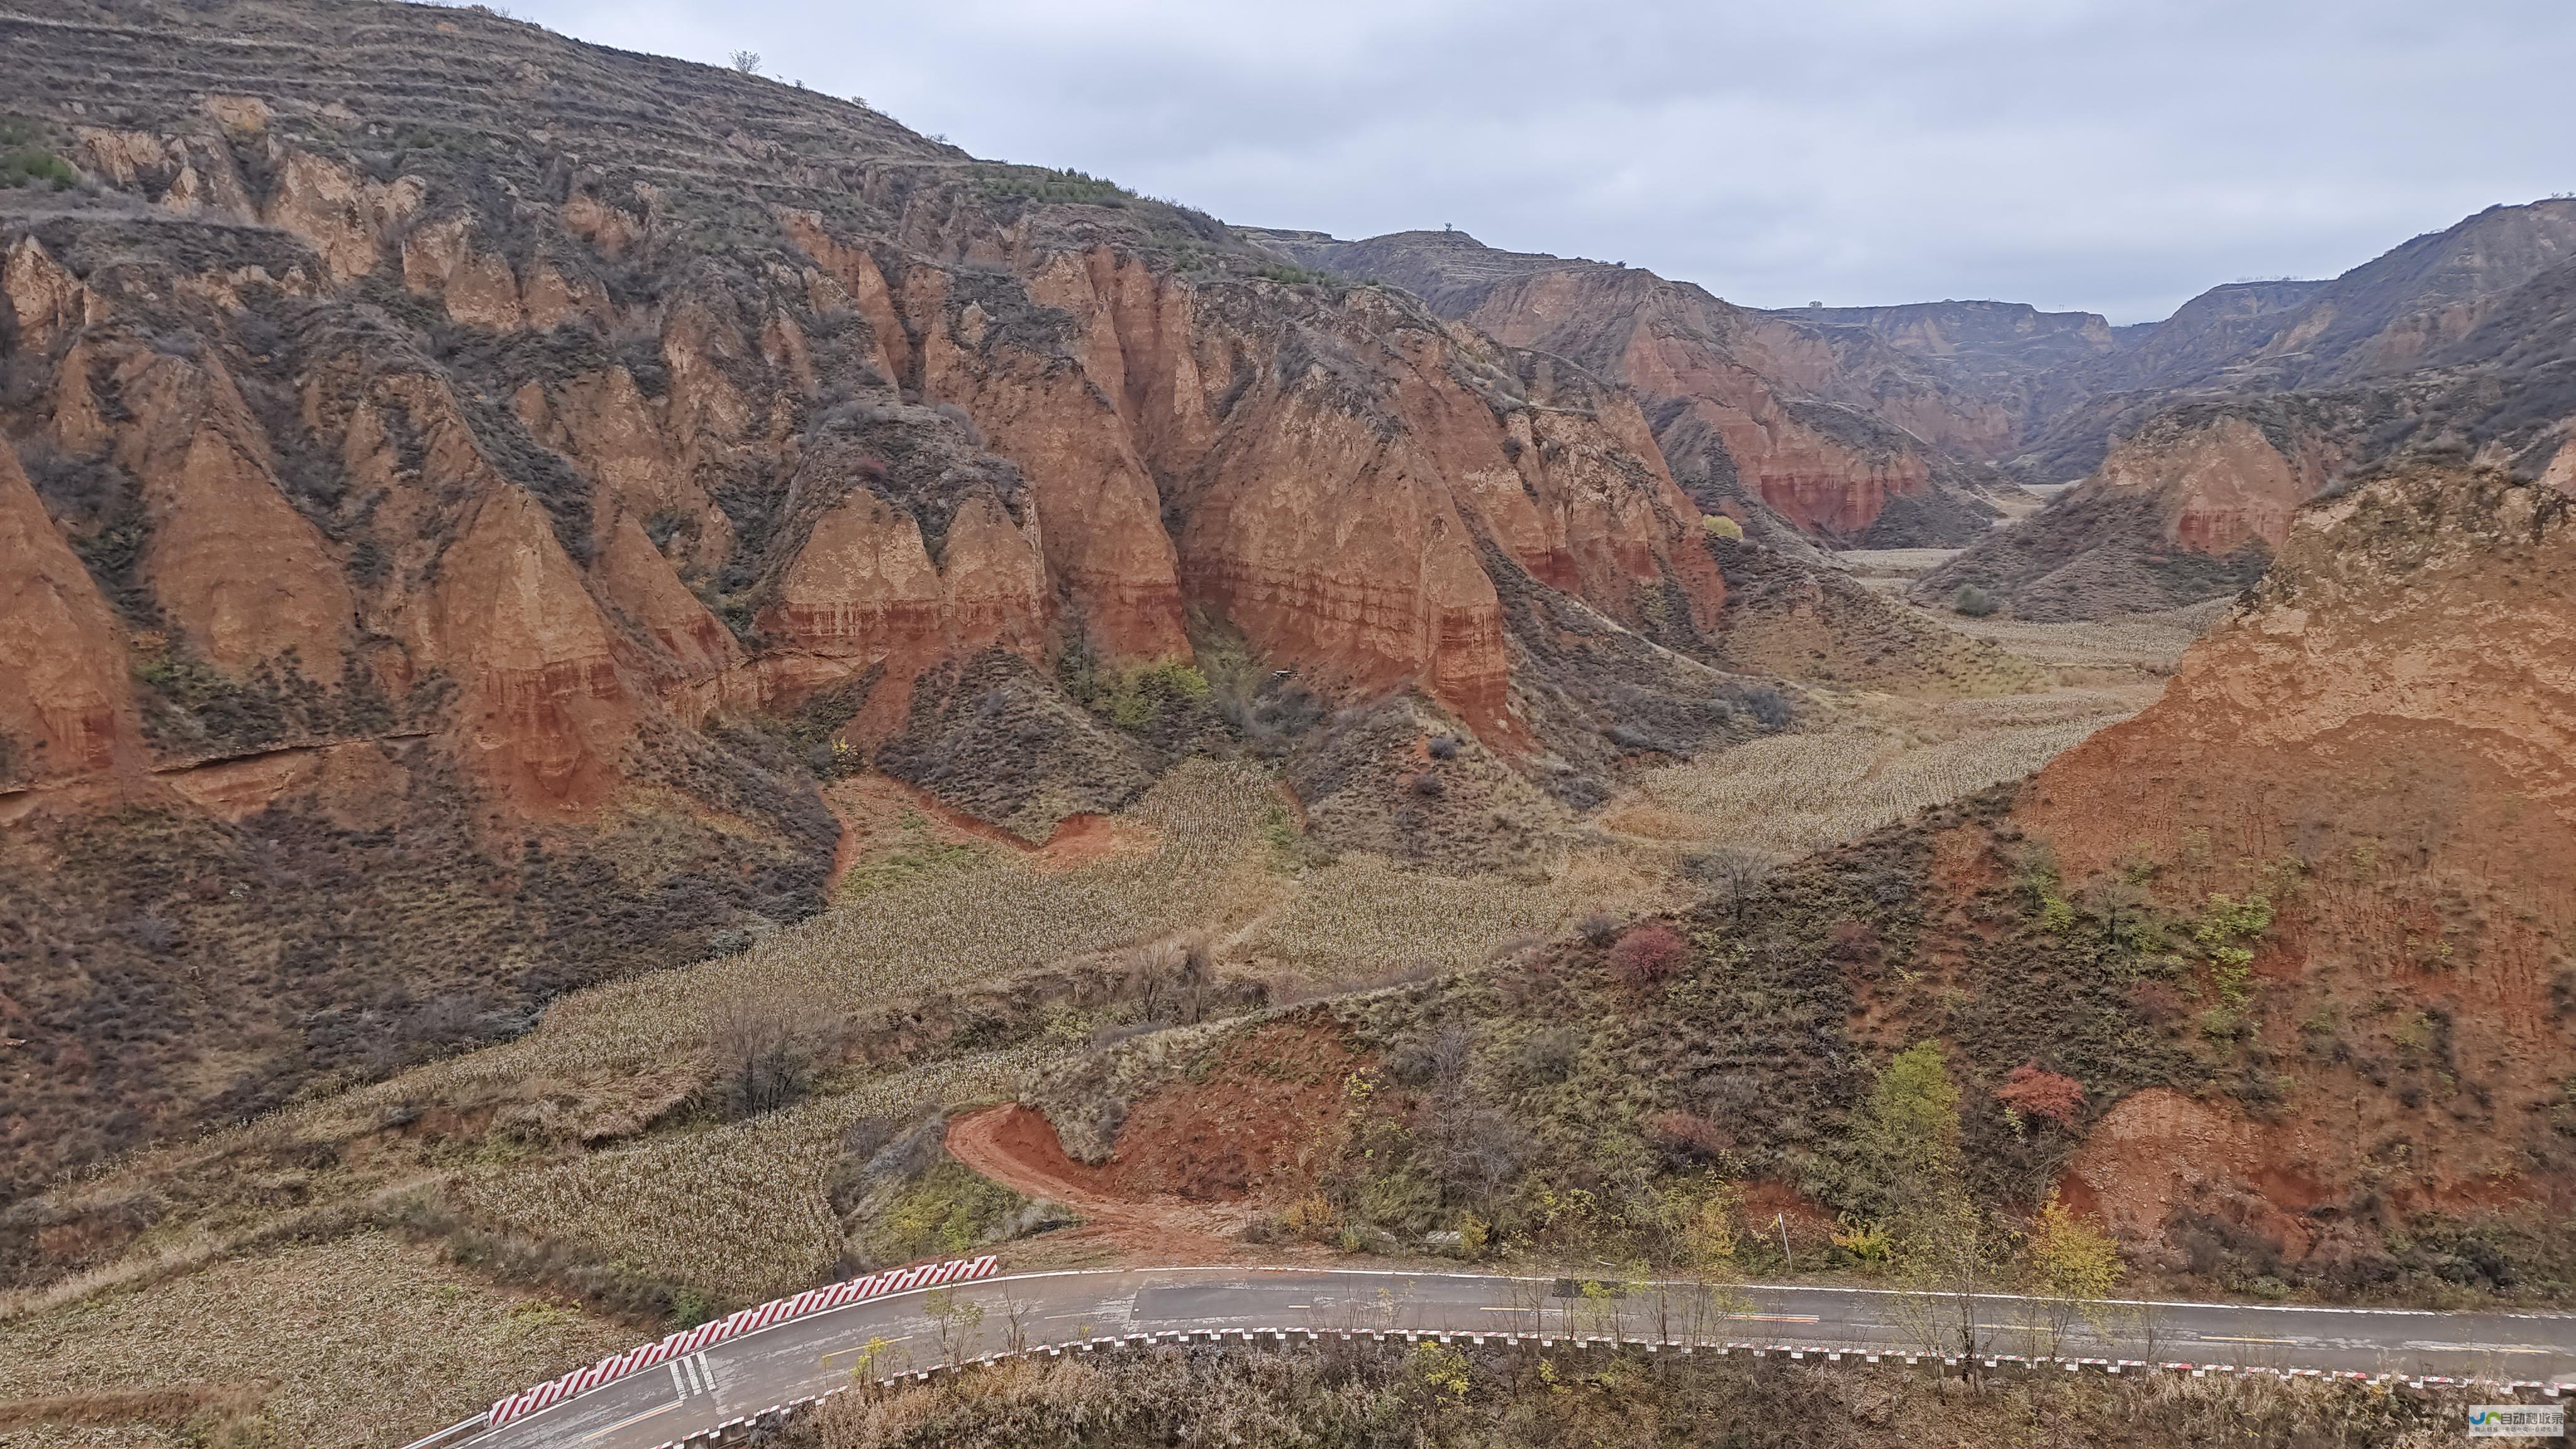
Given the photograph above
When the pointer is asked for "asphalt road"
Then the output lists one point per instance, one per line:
(809, 1356)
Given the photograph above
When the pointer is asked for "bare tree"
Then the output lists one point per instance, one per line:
(960, 1322)
(762, 1050)
(746, 61)
(1733, 877)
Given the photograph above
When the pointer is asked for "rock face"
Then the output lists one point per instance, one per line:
(531, 474)
(2379, 738)
(2253, 397)
(1825, 429)
(2188, 508)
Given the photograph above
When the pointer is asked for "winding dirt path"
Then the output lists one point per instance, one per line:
(1017, 1148)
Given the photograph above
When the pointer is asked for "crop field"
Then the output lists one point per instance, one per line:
(735, 1210)
(1362, 918)
(2147, 643)
(1789, 795)
(367, 1342)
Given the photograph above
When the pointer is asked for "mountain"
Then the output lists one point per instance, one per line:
(2287, 951)
(1828, 431)
(2377, 741)
(2195, 442)
(466, 486)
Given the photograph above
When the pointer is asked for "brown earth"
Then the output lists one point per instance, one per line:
(426, 417)
(1017, 1148)
(2379, 738)
(1825, 429)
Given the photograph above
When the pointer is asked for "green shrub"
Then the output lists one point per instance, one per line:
(1293, 275)
(1973, 602)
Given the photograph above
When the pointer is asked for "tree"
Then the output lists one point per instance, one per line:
(1942, 1247)
(1974, 602)
(1648, 954)
(2073, 1265)
(960, 1321)
(746, 61)
(1733, 876)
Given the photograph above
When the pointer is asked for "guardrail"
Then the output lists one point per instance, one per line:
(690, 1340)
(742, 1426)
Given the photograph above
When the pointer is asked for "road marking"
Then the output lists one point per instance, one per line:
(2427, 1346)
(1774, 1317)
(2230, 1338)
(677, 1382)
(826, 1360)
(631, 1419)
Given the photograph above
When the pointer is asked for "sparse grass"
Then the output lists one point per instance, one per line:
(738, 1210)
(1791, 794)
(2150, 643)
(366, 1341)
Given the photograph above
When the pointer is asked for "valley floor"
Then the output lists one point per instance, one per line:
(384, 1259)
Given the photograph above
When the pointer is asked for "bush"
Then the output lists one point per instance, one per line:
(1444, 747)
(2032, 1091)
(1718, 525)
(1597, 929)
(1648, 954)
(1974, 602)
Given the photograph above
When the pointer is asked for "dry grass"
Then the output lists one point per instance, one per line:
(735, 1210)
(366, 1341)
(1792, 794)
(1362, 917)
(2148, 643)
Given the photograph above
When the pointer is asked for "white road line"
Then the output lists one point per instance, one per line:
(677, 1382)
(630, 1419)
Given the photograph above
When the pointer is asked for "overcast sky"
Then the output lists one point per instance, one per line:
(2114, 157)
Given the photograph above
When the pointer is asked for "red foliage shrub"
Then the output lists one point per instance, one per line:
(2034, 1092)
(1852, 941)
(1648, 954)
(1689, 1132)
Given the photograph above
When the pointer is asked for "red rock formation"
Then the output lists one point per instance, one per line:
(66, 699)
(2381, 741)
(2219, 484)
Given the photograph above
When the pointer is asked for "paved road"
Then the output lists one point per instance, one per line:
(811, 1355)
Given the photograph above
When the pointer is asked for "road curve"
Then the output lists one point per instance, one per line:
(809, 1356)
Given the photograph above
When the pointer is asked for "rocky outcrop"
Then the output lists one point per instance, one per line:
(2379, 742)
(1819, 428)
(2189, 507)
(520, 475)
(66, 702)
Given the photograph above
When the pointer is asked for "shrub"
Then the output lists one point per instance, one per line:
(1718, 525)
(1974, 602)
(1290, 274)
(1597, 929)
(1313, 1218)
(2032, 1091)
(1689, 1134)
(1648, 954)
(1444, 747)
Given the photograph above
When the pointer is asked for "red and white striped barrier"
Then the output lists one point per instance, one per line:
(749, 1320)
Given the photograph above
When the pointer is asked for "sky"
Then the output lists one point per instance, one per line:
(2115, 158)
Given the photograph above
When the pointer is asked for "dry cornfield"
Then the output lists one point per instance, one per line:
(1792, 794)
(2148, 643)
(366, 1340)
(735, 1210)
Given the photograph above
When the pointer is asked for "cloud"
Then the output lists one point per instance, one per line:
(2069, 153)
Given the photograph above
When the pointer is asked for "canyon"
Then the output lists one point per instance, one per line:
(594, 645)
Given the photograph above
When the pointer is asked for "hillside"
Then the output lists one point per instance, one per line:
(2200, 437)
(2289, 945)
(1826, 431)
(467, 486)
